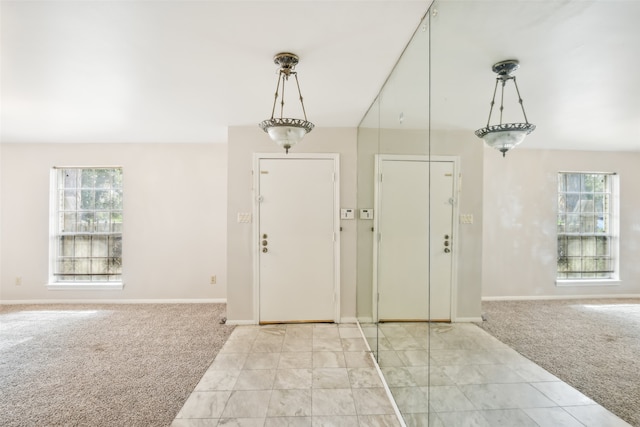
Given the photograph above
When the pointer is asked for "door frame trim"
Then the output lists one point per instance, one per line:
(256, 223)
(454, 220)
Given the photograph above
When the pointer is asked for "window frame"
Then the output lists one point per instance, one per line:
(54, 235)
(613, 233)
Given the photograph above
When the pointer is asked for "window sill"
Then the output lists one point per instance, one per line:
(588, 282)
(84, 286)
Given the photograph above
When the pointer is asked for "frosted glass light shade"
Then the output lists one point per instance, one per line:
(505, 136)
(286, 132)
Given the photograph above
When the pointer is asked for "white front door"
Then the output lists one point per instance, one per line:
(297, 239)
(413, 254)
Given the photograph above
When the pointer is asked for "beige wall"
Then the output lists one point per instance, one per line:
(520, 205)
(174, 219)
(243, 143)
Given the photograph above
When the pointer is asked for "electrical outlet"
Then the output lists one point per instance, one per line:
(213, 280)
(18, 281)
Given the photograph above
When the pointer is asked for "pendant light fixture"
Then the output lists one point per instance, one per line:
(505, 136)
(284, 131)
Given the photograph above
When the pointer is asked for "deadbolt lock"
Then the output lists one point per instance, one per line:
(446, 250)
(265, 250)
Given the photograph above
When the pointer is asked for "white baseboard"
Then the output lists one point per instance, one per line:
(559, 297)
(115, 301)
(348, 320)
(365, 320)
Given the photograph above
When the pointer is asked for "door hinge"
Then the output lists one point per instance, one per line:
(380, 177)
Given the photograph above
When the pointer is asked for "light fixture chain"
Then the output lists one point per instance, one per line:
(520, 99)
(493, 101)
(284, 77)
(502, 99)
(275, 98)
(300, 95)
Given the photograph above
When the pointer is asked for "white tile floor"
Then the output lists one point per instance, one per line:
(323, 375)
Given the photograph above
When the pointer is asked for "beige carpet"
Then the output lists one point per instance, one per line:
(593, 345)
(104, 365)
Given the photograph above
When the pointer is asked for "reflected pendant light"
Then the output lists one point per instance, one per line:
(286, 132)
(504, 136)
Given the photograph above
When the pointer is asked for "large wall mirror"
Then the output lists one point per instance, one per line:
(418, 266)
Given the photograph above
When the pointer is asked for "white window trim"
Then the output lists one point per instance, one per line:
(615, 237)
(52, 285)
(588, 282)
(85, 286)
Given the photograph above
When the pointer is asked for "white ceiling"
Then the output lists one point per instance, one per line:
(183, 71)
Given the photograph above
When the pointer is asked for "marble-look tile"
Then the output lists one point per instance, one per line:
(509, 417)
(389, 358)
(262, 361)
(353, 344)
(327, 344)
(255, 379)
(290, 403)
(563, 394)
(225, 361)
(329, 332)
(358, 359)
(505, 396)
(335, 421)
(371, 401)
(433, 375)
(464, 419)
(532, 372)
(297, 344)
(204, 404)
(405, 343)
(595, 416)
(299, 331)
(218, 380)
(349, 332)
(422, 420)
(332, 402)
(237, 346)
(482, 374)
(379, 420)
(288, 422)
(552, 417)
(328, 359)
(268, 344)
(330, 378)
(295, 360)
(247, 404)
(411, 399)
(195, 422)
(400, 376)
(293, 379)
(414, 357)
(272, 330)
(241, 422)
(448, 399)
(364, 377)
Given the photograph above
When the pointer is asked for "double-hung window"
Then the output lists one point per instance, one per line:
(587, 240)
(86, 223)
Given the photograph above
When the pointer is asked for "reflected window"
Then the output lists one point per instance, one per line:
(586, 238)
(86, 214)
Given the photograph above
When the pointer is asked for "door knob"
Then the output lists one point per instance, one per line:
(265, 250)
(446, 250)
(264, 243)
